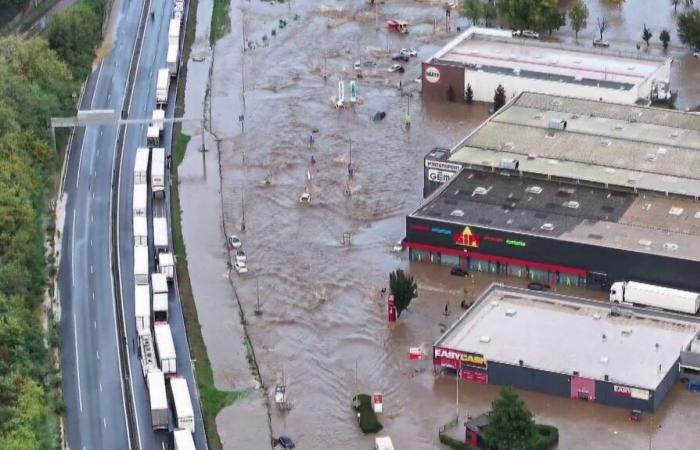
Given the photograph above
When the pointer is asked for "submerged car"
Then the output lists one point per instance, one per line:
(400, 57)
(600, 43)
(240, 267)
(285, 442)
(459, 272)
(409, 52)
(234, 241)
(240, 256)
(396, 68)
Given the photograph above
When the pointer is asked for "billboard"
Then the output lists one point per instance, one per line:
(458, 360)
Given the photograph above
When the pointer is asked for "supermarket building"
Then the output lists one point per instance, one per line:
(569, 347)
(567, 191)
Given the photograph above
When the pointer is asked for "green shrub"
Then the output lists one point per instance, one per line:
(547, 436)
(368, 419)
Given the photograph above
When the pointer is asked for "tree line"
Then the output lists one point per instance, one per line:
(39, 78)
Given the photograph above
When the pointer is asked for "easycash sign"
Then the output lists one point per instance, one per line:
(470, 359)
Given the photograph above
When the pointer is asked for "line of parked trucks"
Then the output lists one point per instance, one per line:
(155, 340)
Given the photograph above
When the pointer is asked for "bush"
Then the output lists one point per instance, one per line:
(547, 436)
(454, 443)
(368, 419)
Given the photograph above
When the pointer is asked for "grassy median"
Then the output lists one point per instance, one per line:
(220, 20)
(212, 400)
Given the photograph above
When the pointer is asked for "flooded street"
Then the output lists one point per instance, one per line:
(320, 266)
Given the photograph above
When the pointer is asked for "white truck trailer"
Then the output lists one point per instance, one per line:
(160, 414)
(160, 235)
(140, 201)
(166, 265)
(670, 299)
(141, 265)
(172, 59)
(152, 136)
(165, 347)
(142, 306)
(140, 231)
(159, 284)
(162, 86)
(174, 32)
(147, 353)
(184, 414)
(158, 171)
(183, 440)
(157, 119)
(141, 165)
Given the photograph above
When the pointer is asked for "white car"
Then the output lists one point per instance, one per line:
(357, 65)
(696, 54)
(240, 256)
(600, 43)
(396, 68)
(409, 52)
(398, 247)
(240, 267)
(234, 241)
(526, 34)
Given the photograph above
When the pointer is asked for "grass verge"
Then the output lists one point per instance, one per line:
(220, 20)
(212, 400)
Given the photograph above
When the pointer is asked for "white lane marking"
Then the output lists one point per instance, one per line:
(92, 218)
(93, 296)
(104, 422)
(72, 259)
(91, 269)
(98, 355)
(93, 194)
(94, 324)
(77, 362)
(102, 131)
(90, 242)
(100, 387)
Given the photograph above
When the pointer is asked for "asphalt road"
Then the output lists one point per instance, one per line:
(96, 415)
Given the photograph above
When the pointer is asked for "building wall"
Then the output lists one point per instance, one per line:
(485, 83)
(616, 264)
(528, 378)
(666, 384)
(623, 396)
(450, 75)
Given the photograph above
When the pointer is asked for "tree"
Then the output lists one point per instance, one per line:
(469, 95)
(473, 10)
(646, 35)
(602, 26)
(489, 14)
(688, 3)
(511, 425)
(665, 38)
(74, 35)
(675, 4)
(578, 16)
(499, 98)
(689, 29)
(404, 289)
(553, 20)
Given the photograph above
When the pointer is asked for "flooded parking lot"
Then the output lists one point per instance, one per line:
(320, 265)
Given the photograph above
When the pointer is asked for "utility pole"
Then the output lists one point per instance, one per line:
(376, 15)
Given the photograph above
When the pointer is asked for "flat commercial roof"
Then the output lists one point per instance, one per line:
(637, 147)
(579, 212)
(499, 52)
(565, 334)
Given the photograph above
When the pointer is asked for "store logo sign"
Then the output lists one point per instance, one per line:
(625, 391)
(467, 238)
(465, 358)
(441, 231)
(441, 165)
(516, 243)
(439, 175)
(432, 74)
(416, 227)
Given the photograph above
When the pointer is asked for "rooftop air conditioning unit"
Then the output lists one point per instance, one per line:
(556, 124)
(547, 226)
(572, 204)
(509, 163)
(481, 191)
(485, 339)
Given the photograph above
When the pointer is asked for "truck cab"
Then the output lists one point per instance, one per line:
(617, 292)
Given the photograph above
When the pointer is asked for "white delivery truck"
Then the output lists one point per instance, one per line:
(632, 292)
(159, 284)
(157, 120)
(183, 440)
(160, 235)
(174, 32)
(165, 347)
(172, 59)
(166, 265)
(184, 414)
(162, 86)
(141, 265)
(140, 201)
(147, 353)
(142, 306)
(140, 231)
(152, 136)
(158, 171)
(160, 414)
(141, 165)
(383, 443)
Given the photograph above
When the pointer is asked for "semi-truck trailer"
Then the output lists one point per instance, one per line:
(670, 299)
(166, 265)
(165, 347)
(140, 201)
(159, 400)
(183, 440)
(174, 32)
(142, 306)
(160, 235)
(141, 165)
(184, 414)
(147, 352)
(140, 230)
(157, 119)
(152, 136)
(158, 171)
(141, 265)
(162, 86)
(159, 284)
(172, 59)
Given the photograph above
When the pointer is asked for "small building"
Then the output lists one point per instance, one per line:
(567, 346)
(486, 57)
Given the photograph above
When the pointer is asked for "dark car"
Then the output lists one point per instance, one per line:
(400, 57)
(535, 286)
(459, 272)
(285, 442)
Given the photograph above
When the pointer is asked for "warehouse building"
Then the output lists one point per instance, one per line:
(610, 194)
(566, 346)
(485, 58)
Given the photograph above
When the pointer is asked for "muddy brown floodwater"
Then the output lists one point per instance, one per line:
(322, 315)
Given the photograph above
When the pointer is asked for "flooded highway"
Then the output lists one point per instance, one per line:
(320, 265)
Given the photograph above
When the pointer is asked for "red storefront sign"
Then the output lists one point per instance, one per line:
(391, 309)
(475, 376)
